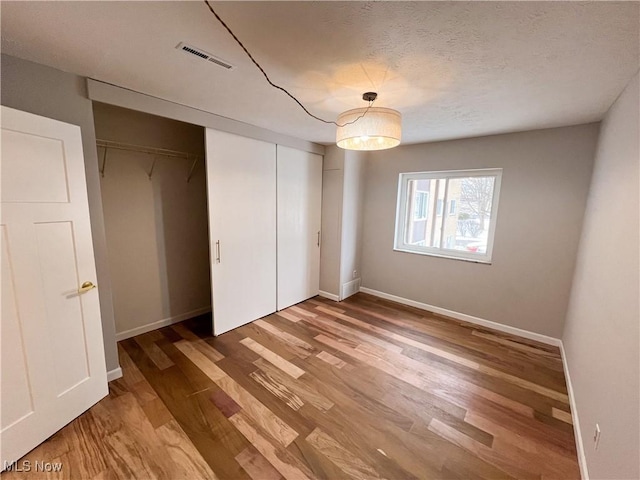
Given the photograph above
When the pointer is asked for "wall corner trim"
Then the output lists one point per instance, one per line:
(165, 322)
(114, 374)
(582, 459)
(466, 318)
(328, 295)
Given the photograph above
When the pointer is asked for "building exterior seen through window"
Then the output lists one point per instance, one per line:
(448, 213)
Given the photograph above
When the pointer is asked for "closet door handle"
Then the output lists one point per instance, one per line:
(318, 237)
(218, 251)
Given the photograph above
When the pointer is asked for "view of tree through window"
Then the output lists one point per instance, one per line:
(448, 213)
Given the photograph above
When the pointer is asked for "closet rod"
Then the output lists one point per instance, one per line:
(107, 144)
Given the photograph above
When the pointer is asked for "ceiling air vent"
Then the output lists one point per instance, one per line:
(191, 50)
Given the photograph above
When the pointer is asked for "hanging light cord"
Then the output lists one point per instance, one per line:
(278, 86)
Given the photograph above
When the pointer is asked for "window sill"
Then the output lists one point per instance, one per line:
(443, 255)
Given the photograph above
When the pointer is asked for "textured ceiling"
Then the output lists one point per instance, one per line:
(454, 69)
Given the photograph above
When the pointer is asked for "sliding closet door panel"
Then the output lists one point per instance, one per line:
(241, 182)
(299, 206)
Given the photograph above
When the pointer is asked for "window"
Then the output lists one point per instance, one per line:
(466, 231)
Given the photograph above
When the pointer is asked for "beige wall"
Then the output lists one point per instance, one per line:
(156, 229)
(544, 189)
(602, 334)
(54, 94)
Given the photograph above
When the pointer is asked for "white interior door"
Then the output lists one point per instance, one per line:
(299, 206)
(53, 365)
(241, 185)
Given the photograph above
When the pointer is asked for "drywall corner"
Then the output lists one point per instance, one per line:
(342, 197)
(352, 198)
(332, 193)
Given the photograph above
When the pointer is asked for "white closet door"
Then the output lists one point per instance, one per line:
(299, 206)
(241, 184)
(53, 366)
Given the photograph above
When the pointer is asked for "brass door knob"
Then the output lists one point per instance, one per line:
(86, 286)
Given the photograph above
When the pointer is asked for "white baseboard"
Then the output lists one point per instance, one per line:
(350, 288)
(114, 374)
(330, 296)
(582, 459)
(161, 323)
(466, 318)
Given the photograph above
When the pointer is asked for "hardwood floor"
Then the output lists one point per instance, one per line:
(363, 389)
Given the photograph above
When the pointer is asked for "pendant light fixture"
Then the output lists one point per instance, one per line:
(369, 128)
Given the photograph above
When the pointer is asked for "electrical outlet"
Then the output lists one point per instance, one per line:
(355, 274)
(596, 437)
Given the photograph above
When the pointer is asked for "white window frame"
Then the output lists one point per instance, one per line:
(402, 212)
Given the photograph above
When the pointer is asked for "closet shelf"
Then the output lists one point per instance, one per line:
(139, 148)
(108, 144)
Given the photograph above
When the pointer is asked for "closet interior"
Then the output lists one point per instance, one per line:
(154, 199)
(199, 220)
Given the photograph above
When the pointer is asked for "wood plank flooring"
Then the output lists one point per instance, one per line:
(363, 389)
